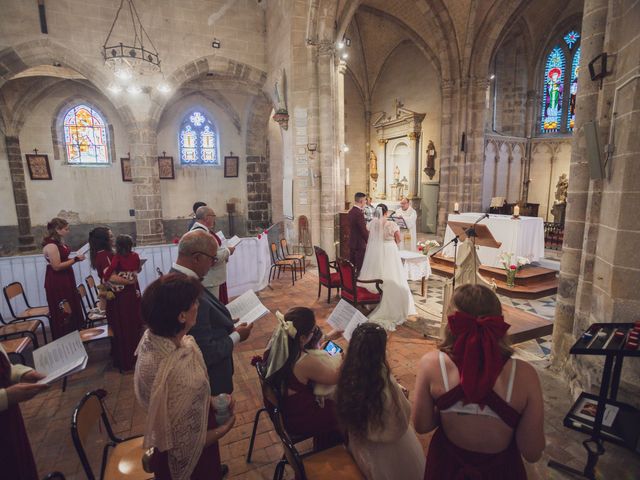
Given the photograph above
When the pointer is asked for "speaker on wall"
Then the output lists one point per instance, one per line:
(596, 171)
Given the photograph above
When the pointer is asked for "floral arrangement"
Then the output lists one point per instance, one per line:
(512, 267)
(104, 291)
(424, 247)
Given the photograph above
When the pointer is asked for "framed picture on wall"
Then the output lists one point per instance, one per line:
(38, 166)
(165, 168)
(125, 167)
(231, 167)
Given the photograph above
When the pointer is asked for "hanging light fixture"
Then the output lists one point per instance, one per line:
(137, 55)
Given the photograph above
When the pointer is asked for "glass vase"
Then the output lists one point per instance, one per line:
(511, 278)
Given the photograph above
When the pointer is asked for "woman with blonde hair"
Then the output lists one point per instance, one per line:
(59, 280)
(487, 407)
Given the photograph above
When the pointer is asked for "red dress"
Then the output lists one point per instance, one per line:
(61, 285)
(447, 460)
(123, 312)
(16, 459)
(208, 466)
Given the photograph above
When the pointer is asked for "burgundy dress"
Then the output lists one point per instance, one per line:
(123, 312)
(303, 417)
(16, 459)
(447, 460)
(61, 285)
(208, 466)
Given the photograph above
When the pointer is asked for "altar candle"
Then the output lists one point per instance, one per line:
(516, 211)
(347, 179)
(456, 207)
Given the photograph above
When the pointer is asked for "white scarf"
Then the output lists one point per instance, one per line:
(172, 384)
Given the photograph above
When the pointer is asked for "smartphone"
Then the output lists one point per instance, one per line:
(332, 348)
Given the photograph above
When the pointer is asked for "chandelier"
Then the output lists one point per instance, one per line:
(135, 56)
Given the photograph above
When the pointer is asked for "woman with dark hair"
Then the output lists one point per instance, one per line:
(487, 407)
(172, 385)
(122, 293)
(292, 373)
(59, 280)
(374, 411)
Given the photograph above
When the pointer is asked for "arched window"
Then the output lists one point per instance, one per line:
(198, 140)
(558, 112)
(85, 136)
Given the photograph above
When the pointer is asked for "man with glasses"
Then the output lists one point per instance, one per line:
(215, 331)
(216, 280)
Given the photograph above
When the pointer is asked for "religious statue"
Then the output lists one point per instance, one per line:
(430, 169)
(279, 92)
(560, 204)
(396, 174)
(561, 189)
(373, 166)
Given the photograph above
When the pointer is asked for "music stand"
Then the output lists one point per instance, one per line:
(480, 235)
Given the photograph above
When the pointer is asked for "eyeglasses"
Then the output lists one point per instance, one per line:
(212, 258)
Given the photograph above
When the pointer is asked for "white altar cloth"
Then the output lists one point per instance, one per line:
(416, 265)
(248, 268)
(524, 237)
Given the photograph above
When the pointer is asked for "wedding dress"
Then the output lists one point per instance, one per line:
(382, 260)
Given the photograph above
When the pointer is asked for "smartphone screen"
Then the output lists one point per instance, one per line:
(332, 348)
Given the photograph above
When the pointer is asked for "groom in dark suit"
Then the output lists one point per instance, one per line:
(359, 234)
(214, 331)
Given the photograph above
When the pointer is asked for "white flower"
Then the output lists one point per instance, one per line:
(523, 261)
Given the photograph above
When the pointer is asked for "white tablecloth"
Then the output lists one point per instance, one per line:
(524, 237)
(416, 265)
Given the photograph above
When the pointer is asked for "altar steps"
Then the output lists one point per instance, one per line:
(531, 282)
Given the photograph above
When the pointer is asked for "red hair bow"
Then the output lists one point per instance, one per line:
(477, 353)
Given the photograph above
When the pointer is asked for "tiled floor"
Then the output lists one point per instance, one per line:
(48, 416)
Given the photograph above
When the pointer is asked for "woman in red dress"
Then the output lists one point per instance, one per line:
(59, 281)
(17, 384)
(487, 407)
(123, 308)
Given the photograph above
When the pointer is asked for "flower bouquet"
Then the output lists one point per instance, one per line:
(424, 247)
(512, 267)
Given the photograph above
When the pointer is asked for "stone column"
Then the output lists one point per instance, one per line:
(449, 146)
(329, 205)
(414, 167)
(473, 172)
(593, 30)
(147, 200)
(26, 241)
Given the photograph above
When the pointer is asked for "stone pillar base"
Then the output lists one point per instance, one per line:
(26, 243)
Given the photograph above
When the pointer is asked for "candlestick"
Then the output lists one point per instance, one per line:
(456, 207)
(516, 211)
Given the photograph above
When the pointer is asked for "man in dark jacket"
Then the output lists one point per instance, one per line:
(359, 234)
(214, 331)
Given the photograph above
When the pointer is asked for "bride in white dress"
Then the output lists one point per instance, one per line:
(382, 260)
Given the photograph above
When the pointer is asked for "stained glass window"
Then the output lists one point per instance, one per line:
(553, 90)
(560, 85)
(85, 136)
(571, 38)
(198, 140)
(573, 90)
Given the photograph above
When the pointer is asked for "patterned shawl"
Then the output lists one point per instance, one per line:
(172, 384)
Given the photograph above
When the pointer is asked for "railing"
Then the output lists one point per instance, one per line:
(553, 235)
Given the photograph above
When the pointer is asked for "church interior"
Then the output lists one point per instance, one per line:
(505, 128)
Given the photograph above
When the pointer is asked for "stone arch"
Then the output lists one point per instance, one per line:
(222, 68)
(18, 58)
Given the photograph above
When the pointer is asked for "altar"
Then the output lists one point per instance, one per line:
(523, 237)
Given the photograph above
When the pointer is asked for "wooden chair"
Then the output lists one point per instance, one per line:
(121, 458)
(91, 315)
(271, 400)
(20, 329)
(335, 462)
(30, 314)
(15, 346)
(350, 291)
(281, 264)
(286, 255)
(92, 289)
(87, 335)
(325, 277)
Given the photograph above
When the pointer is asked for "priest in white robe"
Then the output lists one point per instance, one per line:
(410, 216)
